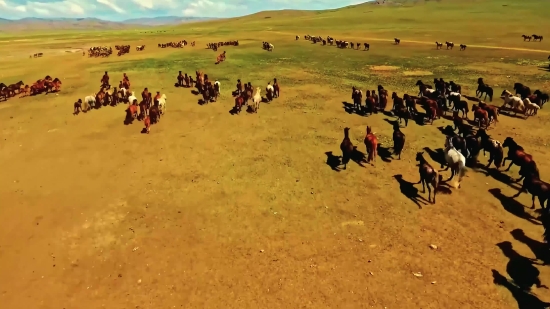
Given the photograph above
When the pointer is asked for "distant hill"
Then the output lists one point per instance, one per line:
(165, 20)
(34, 24)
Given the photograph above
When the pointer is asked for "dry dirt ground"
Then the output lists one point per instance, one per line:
(212, 210)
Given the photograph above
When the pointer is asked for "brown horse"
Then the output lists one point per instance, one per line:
(516, 154)
(371, 142)
(276, 88)
(536, 187)
(481, 115)
(347, 148)
(398, 140)
(428, 175)
(239, 101)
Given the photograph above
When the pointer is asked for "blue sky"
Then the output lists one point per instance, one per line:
(127, 9)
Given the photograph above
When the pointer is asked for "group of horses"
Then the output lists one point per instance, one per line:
(246, 92)
(179, 44)
(450, 45)
(99, 51)
(331, 41)
(46, 85)
(462, 148)
(215, 45)
(203, 85)
(267, 46)
(535, 37)
(149, 109)
(122, 49)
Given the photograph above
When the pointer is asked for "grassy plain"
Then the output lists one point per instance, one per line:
(218, 211)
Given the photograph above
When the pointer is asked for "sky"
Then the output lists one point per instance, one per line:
(117, 10)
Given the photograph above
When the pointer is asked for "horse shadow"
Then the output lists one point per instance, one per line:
(521, 269)
(388, 113)
(233, 111)
(392, 122)
(333, 161)
(384, 153)
(349, 107)
(539, 249)
(409, 191)
(195, 92)
(128, 120)
(524, 299)
(265, 100)
(358, 156)
(419, 119)
(438, 155)
(144, 131)
(512, 206)
(500, 176)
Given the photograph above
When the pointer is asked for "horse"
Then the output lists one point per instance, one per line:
(428, 176)
(522, 90)
(516, 154)
(217, 87)
(537, 37)
(450, 44)
(357, 97)
(526, 37)
(239, 101)
(516, 103)
(438, 45)
(455, 160)
(397, 41)
(543, 97)
(463, 46)
(89, 101)
(483, 88)
(494, 147)
(147, 123)
(398, 140)
(162, 104)
(481, 115)
(347, 148)
(269, 91)
(257, 99)
(371, 142)
(531, 108)
(132, 98)
(367, 46)
(538, 188)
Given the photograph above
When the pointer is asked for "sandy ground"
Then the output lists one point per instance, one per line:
(218, 211)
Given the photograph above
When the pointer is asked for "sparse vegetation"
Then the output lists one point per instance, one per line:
(212, 210)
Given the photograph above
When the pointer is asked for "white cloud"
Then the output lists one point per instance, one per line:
(210, 8)
(41, 11)
(111, 5)
(20, 8)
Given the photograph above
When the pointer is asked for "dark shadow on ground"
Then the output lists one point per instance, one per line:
(512, 206)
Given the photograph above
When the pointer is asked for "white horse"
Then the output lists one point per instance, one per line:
(516, 103)
(89, 101)
(455, 160)
(270, 47)
(530, 107)
(162, 104)
(131, 98)
(269, 88)
(219, 86)
(256, 99)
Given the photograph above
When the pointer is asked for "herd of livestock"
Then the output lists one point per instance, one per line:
(179, 44)
(215, 45)
(46, 85)
(462, 148)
